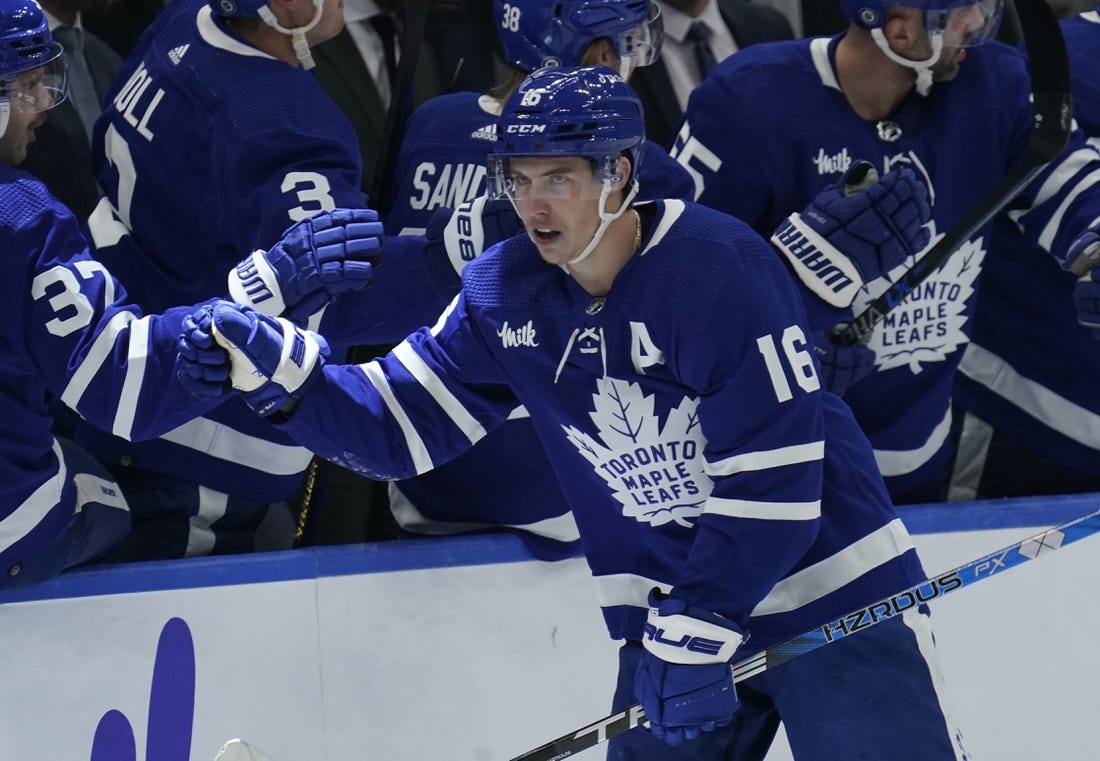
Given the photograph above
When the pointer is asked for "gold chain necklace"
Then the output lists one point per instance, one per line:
(637, 229)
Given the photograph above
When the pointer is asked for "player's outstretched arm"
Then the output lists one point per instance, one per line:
(317, 259)
(855, 231)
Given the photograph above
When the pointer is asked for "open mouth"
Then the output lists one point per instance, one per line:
(544, 235)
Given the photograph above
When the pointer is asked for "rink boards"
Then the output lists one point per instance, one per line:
(466, 649)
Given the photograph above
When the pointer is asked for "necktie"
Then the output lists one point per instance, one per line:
(81, 88)
(698, 35)
(384, 24)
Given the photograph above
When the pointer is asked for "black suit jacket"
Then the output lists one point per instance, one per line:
(344, 76)
(748, 22)
(61, 155)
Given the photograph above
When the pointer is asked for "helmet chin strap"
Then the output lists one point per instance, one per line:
(298, 34)
(5, 115)
(605, 220)
(923, 68)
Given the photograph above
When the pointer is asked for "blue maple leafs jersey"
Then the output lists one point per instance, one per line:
(1031, 368)
(442, 161)
(682, 414)
(69, 336)
(207, 149)
(784, 100)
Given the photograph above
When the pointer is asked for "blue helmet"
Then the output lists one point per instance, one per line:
(26, 44)
(572, 111)
(538, 33)
(871, 14)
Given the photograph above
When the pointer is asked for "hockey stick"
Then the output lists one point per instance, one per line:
(875, 613)
(1048, 64)
(239, 750)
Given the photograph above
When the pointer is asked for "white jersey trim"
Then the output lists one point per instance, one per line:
(833, 573)
(898, 462)
(426, 377)
(224, 443)
(992, 372)
(819, 52)
(36, 507)
(101, 350)
(763, 460)
(560, 528)
(216, 38)
(759, 510)
(422, 461)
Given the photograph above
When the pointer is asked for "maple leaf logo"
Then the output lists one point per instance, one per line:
(928, 325)
(656, 473)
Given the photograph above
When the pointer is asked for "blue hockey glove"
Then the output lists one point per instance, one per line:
(458, 236)
(202, 366)
(855, 231)
(272, 361)
(1086, 297)
(842, 366)
(317, 258)
(683, 681)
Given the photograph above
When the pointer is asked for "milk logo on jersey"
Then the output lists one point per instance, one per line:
(927, 326)
(655, 471)
(512, 337)
(832, 163)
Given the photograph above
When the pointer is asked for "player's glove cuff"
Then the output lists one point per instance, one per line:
(821, 267)
(254, 282)
(676, 633)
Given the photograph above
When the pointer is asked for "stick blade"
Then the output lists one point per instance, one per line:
(238, 750)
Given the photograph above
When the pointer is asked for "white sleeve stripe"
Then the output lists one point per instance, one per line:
(210, 439)
(772, 458)
(427, 378)
(768, 511)
(36, 507)
(836, 571)
(626, 589)
(443, 317)
(422, 461)
(136, 359)
(1067, 167)
(1046, 240)
(99, 352)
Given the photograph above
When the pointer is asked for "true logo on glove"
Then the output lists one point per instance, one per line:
(686, 642)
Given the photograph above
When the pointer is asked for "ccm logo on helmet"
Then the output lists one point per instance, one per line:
(525, 129)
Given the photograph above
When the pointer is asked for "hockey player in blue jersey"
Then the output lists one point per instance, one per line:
(1030, 415)
(908, 85)
(442, 158)
(442, 164)
(71, 337)
(214, 139)
(663, 354)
